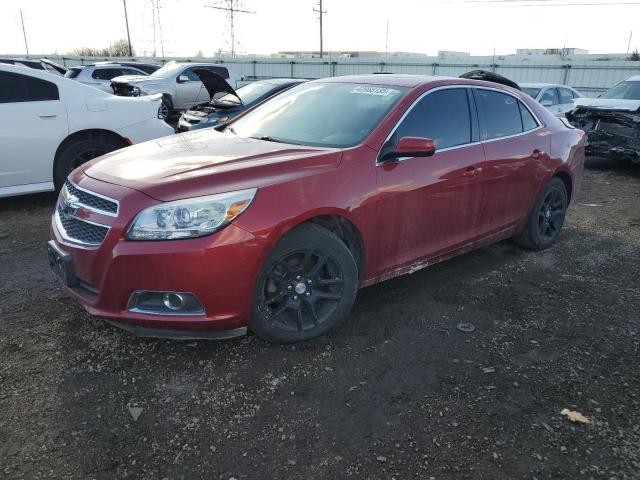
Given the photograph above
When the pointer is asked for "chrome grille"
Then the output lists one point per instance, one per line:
(92, 201)
(80, 231)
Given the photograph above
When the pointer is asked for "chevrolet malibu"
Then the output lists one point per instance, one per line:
(275, 221)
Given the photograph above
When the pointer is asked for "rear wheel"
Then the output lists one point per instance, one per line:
(547, 218)
(165, 109)
(306, 287)
(79, 152)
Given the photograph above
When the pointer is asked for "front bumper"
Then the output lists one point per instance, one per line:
(219, 269)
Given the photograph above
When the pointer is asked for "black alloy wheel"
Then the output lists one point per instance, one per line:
(306, 287)
(547, 218)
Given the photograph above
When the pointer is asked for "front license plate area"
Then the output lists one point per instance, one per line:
(61, 264)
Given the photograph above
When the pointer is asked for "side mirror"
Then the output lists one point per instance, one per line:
(182, 78)
(410, 147)
(546, 103)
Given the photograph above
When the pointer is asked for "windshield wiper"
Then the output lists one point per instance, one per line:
(267, 138)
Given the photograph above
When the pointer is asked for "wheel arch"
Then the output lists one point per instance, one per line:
(337, 222)
(567, 180)
(88, 134)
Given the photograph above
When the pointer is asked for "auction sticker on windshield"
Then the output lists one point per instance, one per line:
(370, 90)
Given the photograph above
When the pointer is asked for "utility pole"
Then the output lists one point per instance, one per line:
(628, 44)
(160, 28)
(126, 21)
(24, 33)
(231, 7)
(386, 42)
(320, 12)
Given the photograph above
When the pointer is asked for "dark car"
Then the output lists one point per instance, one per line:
(147, 68)
(223, 109)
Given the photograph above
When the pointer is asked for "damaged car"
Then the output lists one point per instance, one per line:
(276, 219)
(233, 103)
(611, 121)
(177, 82)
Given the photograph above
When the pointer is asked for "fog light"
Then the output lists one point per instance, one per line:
(165, 303)
(173, 301)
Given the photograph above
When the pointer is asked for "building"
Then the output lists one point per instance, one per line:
(563, 52)
(452, 53)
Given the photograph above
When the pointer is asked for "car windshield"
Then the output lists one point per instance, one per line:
(248, 94)
(624, 91)
(320, 114)
(531, 91)
(168, 71)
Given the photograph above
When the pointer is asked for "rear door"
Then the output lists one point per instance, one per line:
(514, 144)
(33, 122)
(428, 204)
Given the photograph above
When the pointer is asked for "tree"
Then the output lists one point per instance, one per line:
(119, 48)
(199, 54)
(635, 56)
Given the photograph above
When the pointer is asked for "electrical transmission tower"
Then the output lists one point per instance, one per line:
(320, 12)
(231, 7)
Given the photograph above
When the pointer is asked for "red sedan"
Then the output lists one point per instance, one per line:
(275, 221)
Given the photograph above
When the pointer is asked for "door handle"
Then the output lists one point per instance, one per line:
(48, 115)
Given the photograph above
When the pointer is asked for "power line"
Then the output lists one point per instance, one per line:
(231, 7)
(320, 12)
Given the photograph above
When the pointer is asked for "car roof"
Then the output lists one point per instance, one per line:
(280, 81)
(391, 79)
(635, 78)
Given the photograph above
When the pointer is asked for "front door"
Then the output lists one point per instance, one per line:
(428, 204)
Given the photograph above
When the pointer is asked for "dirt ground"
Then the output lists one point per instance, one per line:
(396, 392)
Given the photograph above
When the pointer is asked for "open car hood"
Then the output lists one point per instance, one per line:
(214, 83)
(57, 67)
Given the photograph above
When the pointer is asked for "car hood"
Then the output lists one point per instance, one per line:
(608, 103)
(214, 83)
(138, 79)
(206, 162)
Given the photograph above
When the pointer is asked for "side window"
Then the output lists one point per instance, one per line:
(550, 94)
(105, 73)
(566, 96)
(500, 114)
(222, 71)
(528, 122)
(191, 74)
(442, 116)
(22, 88)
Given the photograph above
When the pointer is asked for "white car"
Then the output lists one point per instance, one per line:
(179, 85)
(557, 98)
(49, 125)
(100, 75)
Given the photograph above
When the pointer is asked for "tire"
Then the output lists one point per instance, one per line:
(547, 217)
(79, 152)
(306, 286)
(165, 109)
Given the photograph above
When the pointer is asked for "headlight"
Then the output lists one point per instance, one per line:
(215, 119)
(189, 218)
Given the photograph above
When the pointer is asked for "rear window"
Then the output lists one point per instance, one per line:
(16, 88)
(72, 72)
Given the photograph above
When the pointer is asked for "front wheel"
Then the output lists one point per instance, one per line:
(547, 218)
(305, 288)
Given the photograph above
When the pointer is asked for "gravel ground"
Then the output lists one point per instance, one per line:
(396, 392)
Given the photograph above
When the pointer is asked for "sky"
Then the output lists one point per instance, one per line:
(188, 26)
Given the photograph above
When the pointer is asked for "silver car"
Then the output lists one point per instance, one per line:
(178, 83)
(556, 98)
